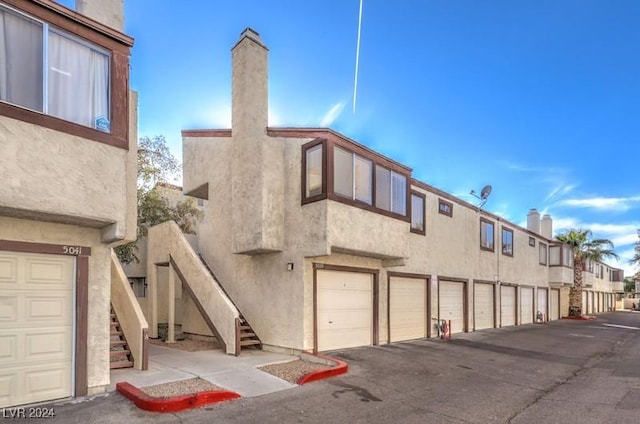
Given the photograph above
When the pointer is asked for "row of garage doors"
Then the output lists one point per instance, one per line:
(345, 312)
(594, 302)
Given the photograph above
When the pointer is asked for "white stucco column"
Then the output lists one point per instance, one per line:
(171, 330)
(152, 286)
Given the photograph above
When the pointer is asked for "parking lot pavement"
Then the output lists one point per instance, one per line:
(564, 372)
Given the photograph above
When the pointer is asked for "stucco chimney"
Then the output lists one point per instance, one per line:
(546, 226)
(249, 114)
(107, 12)
(533, 221)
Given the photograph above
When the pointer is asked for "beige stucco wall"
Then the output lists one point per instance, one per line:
(53, 176)
(99, 284)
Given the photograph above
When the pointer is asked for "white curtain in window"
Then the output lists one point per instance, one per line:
(20, 60)
(363, 179)
(398, 193)
(78, 82)
(383, 188)
(343, 172)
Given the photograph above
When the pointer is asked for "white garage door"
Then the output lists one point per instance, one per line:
(554, 312)
(407, 308)
(526, 305)
(36, 327)
(345, 309)
(483, 306)
(542, 303)
(451, 304)
(508, 305)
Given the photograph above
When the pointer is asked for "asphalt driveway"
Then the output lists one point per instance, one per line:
(563, 372)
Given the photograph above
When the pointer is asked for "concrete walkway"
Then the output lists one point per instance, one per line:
(238, 374)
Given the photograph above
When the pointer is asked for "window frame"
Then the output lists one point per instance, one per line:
(544, 246)
(493, 235)
(117, 44)
(504, 231)
(442, 202)
(424, 212)
(333, 140)
(323, 167)
(532, 241)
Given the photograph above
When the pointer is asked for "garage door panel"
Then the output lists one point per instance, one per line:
(344, 309)
(8, 270)
(483, 306)
(451, 304)
(555, 304)
(407, 308)
(526, 305)
(542, 302)
(36, 327)
(508, 305)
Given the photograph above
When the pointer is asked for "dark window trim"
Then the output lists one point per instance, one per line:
(546, 255)
(330, 142)
(119, 47)
(508, 230)
(444, 202)
(303, 193)
(424, 213)
(532, 242)
(493, 230)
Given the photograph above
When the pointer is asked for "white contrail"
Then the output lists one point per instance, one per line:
(355, 83)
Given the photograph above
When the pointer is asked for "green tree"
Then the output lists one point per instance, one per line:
(629, 285)
(585, 248)
(156, 168)
(636, 258)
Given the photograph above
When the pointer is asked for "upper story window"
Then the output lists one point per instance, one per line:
(417, 212)
(507, 241)
(313, 170)
(445, 208)
(53, 72)
(560, 255)
(391, 190)
(486, 234)
(532, 242)
(63, 71)
(359, 177)
(542, 253)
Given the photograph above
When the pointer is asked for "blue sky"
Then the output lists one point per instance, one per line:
(539, 98)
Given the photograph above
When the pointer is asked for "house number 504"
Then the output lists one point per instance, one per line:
(72, 250)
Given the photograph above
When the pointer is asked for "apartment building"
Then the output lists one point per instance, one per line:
(68, 194)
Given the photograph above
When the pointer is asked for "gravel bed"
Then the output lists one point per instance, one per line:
(179, 388)
(292, 371)
(189, 345)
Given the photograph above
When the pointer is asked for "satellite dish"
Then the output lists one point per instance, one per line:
(486, 191)
(484, 195)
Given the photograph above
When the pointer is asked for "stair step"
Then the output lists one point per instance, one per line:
(113, 315)
(119, 352)
(245, 335)
(115, 324)
(116, 333)
(245, 327)
(121, 364)
(249, 342)
(118, 343)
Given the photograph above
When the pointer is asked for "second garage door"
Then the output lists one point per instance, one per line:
(483, 306)
(407, 308)
(451, 304)
(542, 303)
(508, 305)
(554, 311)
(344, 309)
(526, 305)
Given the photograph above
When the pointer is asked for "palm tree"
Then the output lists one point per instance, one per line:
(636, 258)
(585, 248)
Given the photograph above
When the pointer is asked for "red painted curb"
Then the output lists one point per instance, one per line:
(340, 368)
(173, 404)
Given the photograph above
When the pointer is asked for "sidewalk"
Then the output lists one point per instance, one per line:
(238, 374)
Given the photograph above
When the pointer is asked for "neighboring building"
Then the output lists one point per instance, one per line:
(68, 169)
(323, 243)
